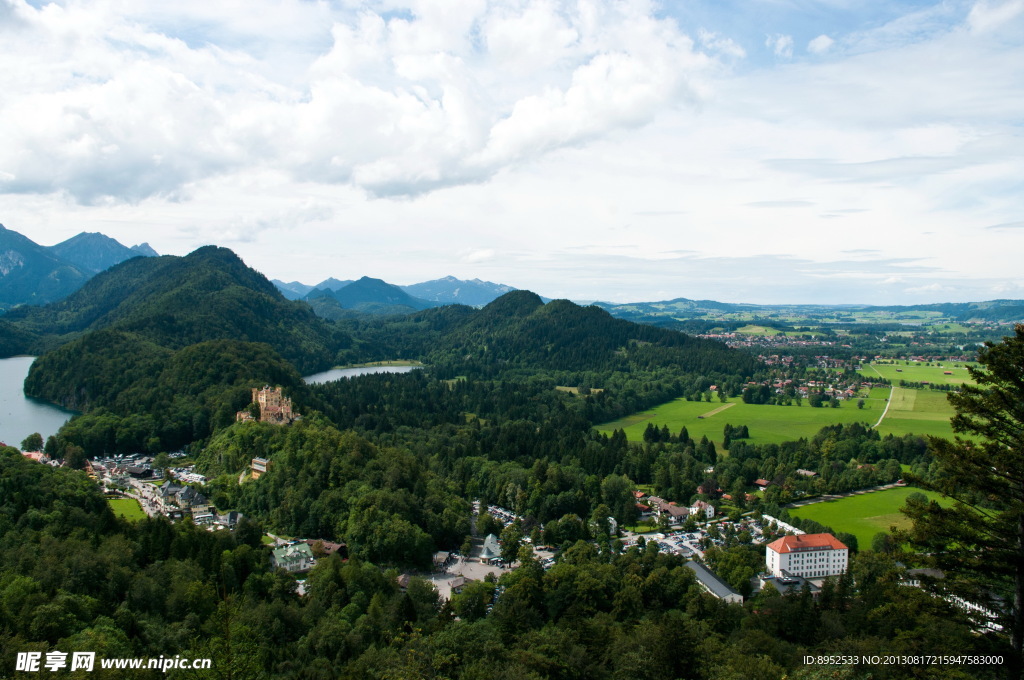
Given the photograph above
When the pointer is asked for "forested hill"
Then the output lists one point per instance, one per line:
(127, 344)
(174, 302)
(161, 352)
(519, 331)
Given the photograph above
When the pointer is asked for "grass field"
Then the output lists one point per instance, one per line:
(863, 515)
(919, 412)
(918, 373)
(912, 411)
(767, 424)
(128, 508)
(751, 329)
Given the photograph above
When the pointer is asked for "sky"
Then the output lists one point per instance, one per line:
(761, 151)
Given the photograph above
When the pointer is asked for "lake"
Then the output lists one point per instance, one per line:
(20, 416)
(339, 373)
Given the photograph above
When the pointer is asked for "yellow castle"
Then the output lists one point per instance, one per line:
(274, 407)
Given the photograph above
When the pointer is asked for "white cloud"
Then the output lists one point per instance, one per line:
(820, 45)
(780, 45)
(575, 147)
(475, 256)
(112, 107)
(713, 42)
(930, 288)
(987, 15)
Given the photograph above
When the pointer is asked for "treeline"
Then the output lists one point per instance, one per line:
(844, 457)
(77, 579)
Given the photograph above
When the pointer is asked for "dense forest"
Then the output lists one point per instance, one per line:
(75, 578)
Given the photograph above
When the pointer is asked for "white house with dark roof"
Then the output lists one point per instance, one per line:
(702, 508)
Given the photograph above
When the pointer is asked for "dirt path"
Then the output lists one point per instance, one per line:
(887, 401)
(717, 410)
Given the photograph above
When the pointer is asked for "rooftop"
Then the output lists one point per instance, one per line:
(788, 544)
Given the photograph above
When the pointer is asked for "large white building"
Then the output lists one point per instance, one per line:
(807, 555)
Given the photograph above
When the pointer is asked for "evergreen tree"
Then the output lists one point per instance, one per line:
(979, 541)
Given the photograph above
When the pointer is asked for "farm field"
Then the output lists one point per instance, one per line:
(921, 412)
(918, 373)
(863, 515)
(767, 423)
(128, 508)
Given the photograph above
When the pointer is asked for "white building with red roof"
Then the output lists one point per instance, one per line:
(808, 556)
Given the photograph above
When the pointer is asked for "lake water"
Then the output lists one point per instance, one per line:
(338, 373)
(19, 415)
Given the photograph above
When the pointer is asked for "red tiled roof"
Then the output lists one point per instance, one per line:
(788, 544)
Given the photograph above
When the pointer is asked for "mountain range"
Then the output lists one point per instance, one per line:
(377, 296)
(34, 274)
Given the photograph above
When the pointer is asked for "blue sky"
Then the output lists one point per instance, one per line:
(756, 151)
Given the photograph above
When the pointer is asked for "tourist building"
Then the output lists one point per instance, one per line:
(259, 466)
(807, 556)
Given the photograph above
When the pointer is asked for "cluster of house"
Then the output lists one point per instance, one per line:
(843, 391)
(752, 341)
(653, 506)
(177, 500)
(274, 407)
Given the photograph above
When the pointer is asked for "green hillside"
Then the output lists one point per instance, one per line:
(178, 301)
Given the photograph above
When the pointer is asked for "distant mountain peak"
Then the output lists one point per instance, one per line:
(368, 292)
(94, 252)
(452, 290)
(333, 284)
(515, 303)
(34, 274)
(145, 250)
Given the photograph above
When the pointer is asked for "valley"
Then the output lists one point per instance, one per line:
(569, 423)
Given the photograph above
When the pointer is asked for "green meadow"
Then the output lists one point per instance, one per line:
(921, 412)
(128, 508)
(864, 515)
(767, 423)
(915, 372)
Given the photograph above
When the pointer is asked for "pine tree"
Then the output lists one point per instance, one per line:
(979, 541)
